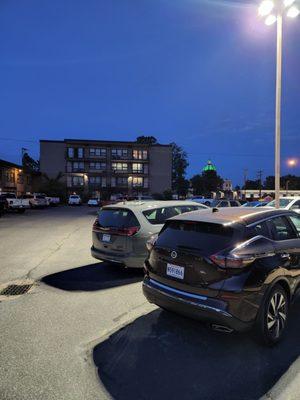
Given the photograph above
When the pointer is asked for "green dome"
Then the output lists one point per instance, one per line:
(209, 167)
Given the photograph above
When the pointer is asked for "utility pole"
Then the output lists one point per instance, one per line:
(245, 180)
(259, 176)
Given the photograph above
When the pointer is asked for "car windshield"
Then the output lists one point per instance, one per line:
(117, 218)
(282, 203)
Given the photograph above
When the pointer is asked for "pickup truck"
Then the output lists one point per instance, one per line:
(12, 203)
(35, 200)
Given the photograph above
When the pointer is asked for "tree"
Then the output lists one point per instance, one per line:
(180, 184)
(146, 139)
(252, 184)
(207, 182)
(53, 186)
(29, 164)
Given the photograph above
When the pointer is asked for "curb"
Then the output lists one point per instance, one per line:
(288, 386)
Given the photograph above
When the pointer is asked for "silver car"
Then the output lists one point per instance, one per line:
(121, 231)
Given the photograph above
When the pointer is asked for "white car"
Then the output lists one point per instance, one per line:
(74, 200)
(287, 203)
(93, 202)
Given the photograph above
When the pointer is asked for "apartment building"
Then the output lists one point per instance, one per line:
(14, 179)
(98, 168)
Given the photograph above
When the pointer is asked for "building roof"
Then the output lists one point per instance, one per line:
(209, 166)
(8, 164)
(108, 142)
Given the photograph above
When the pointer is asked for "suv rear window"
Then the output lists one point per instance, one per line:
(203, 236)
(117, 218)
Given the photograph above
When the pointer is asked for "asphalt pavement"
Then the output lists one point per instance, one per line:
(85, 331)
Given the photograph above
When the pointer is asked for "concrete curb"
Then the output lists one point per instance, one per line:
(288, 386)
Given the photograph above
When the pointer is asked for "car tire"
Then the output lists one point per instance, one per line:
(273, 316)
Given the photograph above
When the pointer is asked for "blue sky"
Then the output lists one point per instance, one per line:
(197, 72)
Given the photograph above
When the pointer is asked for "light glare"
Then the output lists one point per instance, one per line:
(270, 20)
(288, 3)
(265, 8)
(292, 162)
(293, 12)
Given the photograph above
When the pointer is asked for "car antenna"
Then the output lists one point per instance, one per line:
(215, 210)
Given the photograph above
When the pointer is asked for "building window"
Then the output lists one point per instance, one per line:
(122, 182)
(80, 152)
(146, 183)
(140, 168)
(137, 182)
(20, 179)
(10, 177)
(119, 153)
(75, 181)
(78, 166)
(70, 152)
(113, 182)
(97, 152)
(97, 165)
(140, 154)
(119, 167)
(98, 181)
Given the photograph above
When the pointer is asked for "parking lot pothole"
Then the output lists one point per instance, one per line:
(16, 288)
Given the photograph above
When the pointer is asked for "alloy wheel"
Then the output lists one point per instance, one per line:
(277, 315)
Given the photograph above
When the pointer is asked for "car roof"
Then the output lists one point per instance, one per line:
(149, 204)
(231, 215)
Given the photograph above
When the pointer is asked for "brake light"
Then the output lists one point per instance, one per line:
(129, 231)
(96, 224)
(231, 262)
(151, 242)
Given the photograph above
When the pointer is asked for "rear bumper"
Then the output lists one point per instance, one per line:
(211, 310)
(128, 259)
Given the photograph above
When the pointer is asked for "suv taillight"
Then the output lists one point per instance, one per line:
(230, 261)
(129, 231)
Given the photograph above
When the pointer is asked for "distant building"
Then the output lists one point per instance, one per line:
(14, 179)
(209, 167)
(98, 167)
(227, 185)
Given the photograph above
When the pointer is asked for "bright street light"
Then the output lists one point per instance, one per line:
(293, 12)
(274, 11)
(270, 20)
(288, 3)
(265, 8)
(292, 162)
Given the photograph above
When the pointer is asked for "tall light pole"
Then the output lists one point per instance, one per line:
(273, 11)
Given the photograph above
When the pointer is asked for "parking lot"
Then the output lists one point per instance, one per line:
(85, 331)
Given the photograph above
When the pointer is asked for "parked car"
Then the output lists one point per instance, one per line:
(2, 205)
(34, 200)
(12, 203)
(287, 203)
(255, 204)
(121, 230)
(220, 203)
(74, 200)
(94, 202)
(202, 200)
(52, 201)
(235, 268)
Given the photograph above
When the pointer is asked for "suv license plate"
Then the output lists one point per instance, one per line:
(175, 271)
(105, 238)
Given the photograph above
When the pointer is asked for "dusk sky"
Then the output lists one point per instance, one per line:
(197, 72)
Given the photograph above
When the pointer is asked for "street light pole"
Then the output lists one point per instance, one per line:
(273, 12)
(278, 109)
